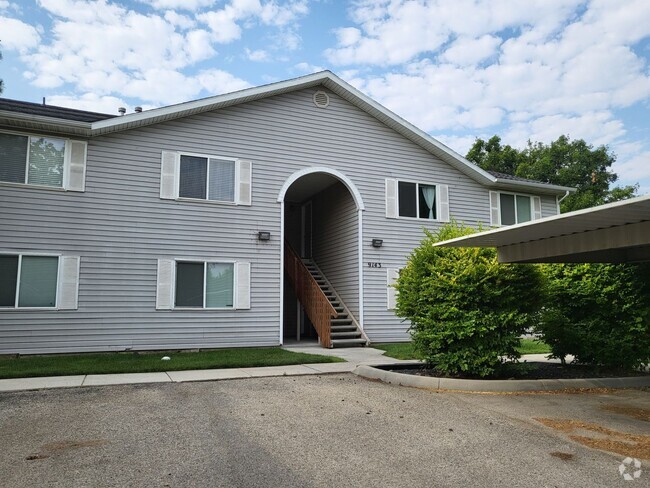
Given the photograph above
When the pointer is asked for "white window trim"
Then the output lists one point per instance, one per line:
(20, 255)
(530, 197)
(417, 200)
(35, 185)
(207, 182)
(205, 264)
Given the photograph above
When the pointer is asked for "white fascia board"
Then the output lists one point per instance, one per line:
(503, 183)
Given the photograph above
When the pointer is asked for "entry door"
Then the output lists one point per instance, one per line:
(306, 231)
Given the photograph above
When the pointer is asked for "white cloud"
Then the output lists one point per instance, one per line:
(466, 51)
(306, 68)
(257, 55)
(90, 102)
(216, 81)
(178, 20)
(226, 23)
(178, 4)
(17, 35)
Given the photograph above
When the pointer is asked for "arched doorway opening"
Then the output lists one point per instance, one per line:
(321, 273)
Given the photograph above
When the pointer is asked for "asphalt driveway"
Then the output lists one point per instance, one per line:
(311, 431)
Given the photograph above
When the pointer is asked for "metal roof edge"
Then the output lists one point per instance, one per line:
(545, 187)
(552, 218)
(45, 123)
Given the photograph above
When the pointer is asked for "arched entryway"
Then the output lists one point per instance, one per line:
(322, 225)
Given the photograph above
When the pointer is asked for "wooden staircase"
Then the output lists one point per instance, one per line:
(344, 329)
(333, 321)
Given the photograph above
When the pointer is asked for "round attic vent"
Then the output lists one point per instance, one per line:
(321, 99)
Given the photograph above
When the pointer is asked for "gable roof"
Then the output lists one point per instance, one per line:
(326, 79)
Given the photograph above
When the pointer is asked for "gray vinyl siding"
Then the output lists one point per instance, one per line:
(120, 226)
(336, 242)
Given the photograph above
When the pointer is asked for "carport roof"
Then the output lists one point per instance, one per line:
(616, 232)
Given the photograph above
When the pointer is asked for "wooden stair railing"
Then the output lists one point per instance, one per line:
(317, 306)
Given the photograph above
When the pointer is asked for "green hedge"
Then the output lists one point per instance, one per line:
(466, 310)
(599, 313)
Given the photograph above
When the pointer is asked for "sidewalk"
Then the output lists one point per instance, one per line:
(353, 356)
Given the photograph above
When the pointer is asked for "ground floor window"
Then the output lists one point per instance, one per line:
(28, 281)
(204, 284)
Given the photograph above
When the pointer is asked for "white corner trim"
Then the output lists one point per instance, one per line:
(281, 339)
(360, 213)
(322, 169)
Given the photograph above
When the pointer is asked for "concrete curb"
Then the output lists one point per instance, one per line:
(401, 379)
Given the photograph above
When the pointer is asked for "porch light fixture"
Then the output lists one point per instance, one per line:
(377, 242)
(264, 236)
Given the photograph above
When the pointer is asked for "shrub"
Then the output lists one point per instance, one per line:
(599, 313)
(467, 311)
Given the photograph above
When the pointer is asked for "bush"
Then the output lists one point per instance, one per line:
(599, 313)
(466, 309)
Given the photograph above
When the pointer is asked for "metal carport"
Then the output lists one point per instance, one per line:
(618, 232)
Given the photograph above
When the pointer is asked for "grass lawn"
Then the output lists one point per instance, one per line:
(404, 350)
(130, 362)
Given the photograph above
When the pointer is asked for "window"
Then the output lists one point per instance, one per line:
(28, 281)
(207, 178)
(417, 200)
(512, 208)
(204, 285)
(42, 161)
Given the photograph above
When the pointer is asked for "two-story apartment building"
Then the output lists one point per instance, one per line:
(237, 220)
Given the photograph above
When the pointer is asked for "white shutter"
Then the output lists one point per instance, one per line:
(391, 278)
(75, 165)
(537, 208)
(494, 209)
(243, 185)
(443, 202)
(164, 284)
(243, 284)
(168, 181)
(391, 198)
(68, 286)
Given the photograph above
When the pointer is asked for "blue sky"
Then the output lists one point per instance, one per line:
(458, 69)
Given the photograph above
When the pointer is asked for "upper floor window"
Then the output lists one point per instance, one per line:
(513, 208)
(42, 161)
(209, 178)
(417, 200)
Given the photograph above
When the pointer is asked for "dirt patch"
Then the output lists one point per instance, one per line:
(599, 437)
(564, 391)
(55, 448)
(564, 456)
(634, 412)
(65, 445)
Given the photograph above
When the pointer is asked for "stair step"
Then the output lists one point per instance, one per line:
(348, 342)
(355, 334)
(343, 328)
(341, 321)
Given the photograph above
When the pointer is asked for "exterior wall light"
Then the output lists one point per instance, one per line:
(264, 236)
(377, 242)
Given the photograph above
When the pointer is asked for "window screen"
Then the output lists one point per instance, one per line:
(13, 158)
(507, 209)
(222, 180)
(189, 284)
(407, 202)
(46, 161)
(193, 177)
(523, 209)
(8, 280)
(219, 285)
(38, 277)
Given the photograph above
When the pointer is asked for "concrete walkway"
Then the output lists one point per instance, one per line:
(354, 357)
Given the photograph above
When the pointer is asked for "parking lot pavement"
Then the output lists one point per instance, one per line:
(304, 431)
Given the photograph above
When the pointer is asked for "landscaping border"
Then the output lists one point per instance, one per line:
(376, 373)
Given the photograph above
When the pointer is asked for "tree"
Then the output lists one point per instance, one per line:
(562, 162)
